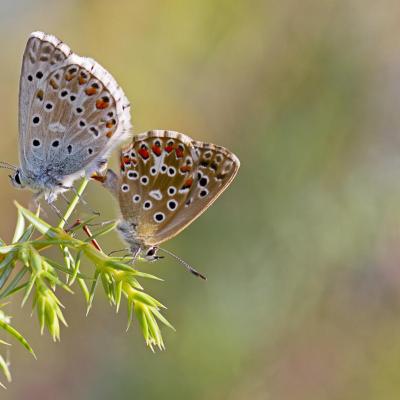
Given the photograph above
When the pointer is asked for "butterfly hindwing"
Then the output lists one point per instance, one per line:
(72, 112)
(168, 180)
(43, 54)
(214, 169)
(157, 172)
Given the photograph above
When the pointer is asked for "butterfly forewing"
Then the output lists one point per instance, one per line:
(168, 180)
(72, 112)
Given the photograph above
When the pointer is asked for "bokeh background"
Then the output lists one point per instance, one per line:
(302, 252)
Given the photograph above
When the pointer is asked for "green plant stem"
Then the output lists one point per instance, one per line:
(73, 203)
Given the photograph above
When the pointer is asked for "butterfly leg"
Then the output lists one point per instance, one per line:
(65, 198)
(135, 254)
(34, 203)
(81, 198)
(125, 257)
(57, 211)
(101, 224)
(118, 251)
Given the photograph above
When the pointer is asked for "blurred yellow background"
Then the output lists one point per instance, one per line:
(302, 251)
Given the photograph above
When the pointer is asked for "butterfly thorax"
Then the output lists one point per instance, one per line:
(127, 230)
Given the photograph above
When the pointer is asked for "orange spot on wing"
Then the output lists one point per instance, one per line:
(90, 91)
(82, 80)
(53, 84)
(168, 149)
(188, 183)
(98, 178)
(110, 123)
(126, 160)
(68, 77)
(109, 134)
(185, 168)
(144, 153)
(156, 150)
(179, 152)
(101, 104)
(40, 94)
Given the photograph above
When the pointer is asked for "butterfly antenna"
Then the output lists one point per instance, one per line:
(184, 263)
(7, 165)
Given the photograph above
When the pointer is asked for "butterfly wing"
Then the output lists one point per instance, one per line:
(168, 180)
(214, 170)
(72, 112)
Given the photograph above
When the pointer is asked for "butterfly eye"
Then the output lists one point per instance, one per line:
(17, 179)
(151, 252)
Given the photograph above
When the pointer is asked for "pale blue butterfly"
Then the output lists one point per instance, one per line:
(72, 114)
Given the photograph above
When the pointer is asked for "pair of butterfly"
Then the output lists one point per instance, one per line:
(72, 114)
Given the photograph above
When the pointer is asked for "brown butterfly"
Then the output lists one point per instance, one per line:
(167, 180)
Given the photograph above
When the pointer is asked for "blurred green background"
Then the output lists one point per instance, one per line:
(302, 251)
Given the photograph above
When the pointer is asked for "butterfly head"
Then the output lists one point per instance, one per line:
(17, 178)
